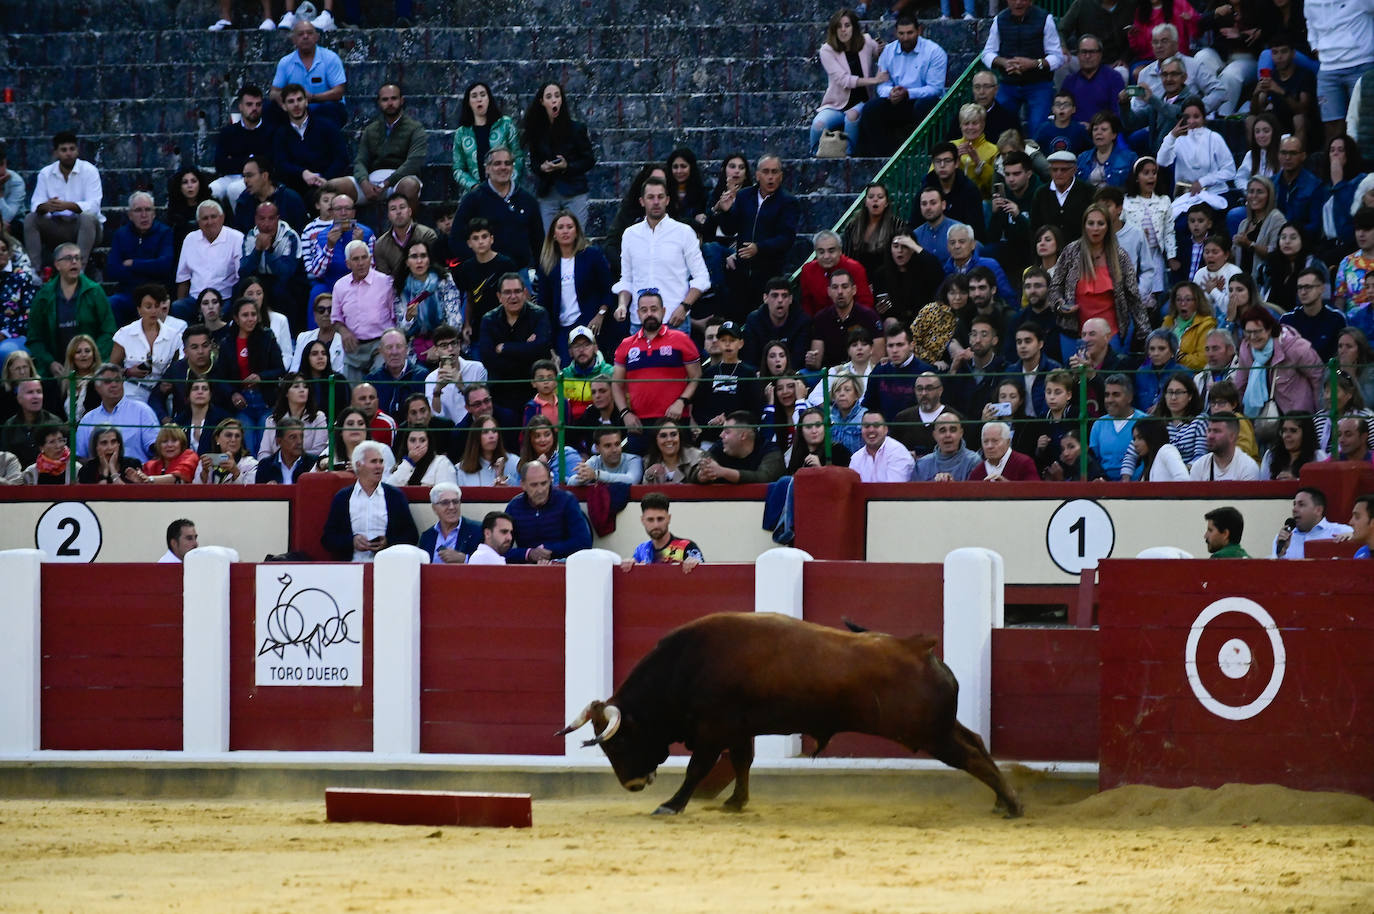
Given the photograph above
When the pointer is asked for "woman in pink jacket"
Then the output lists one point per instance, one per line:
(1276, 357)
(848, 57)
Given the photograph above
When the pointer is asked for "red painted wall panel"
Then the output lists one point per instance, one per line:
(1045, 684)
(111, 641)
(491, 659)
(298, 718)
(898, 599)
(651, 600)
(1311, 735)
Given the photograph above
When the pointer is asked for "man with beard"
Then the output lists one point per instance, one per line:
(662, 254)
(666, 358)
(977, 371)
(832, 325)
(1009, 225)
(586, 364)
(662, 548)
(986, 299)
(915, 425)
(916, 80)
(1035, 293)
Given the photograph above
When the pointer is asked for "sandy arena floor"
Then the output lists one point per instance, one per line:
(1238, 849)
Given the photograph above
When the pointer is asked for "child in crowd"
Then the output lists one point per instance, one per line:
(545, 401)
(476, 277)
(1063, 132)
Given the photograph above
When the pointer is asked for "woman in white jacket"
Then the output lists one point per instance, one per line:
(1200, 157)
(848, 56)
(422, 464)
(1160, 461)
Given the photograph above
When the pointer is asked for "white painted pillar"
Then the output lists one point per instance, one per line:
(396, 649)
(588, 640)
(21, 651)
(1164, 552)
(778, 589)
(974, 586)
(205, 649)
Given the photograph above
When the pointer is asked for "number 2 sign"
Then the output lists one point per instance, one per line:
(1080, 533)
(68, 531)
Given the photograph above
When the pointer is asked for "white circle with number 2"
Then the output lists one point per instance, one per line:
(1080, 534)
(68, 531)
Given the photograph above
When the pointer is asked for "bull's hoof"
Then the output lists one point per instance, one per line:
(734, 805)
(666, 811)
(1015, 813)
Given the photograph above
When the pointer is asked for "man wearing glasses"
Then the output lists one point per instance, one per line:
(326, 260)
(1094, 87)
(454, 537)
(69, 304)
(512, 213)
(1319, 323)
(141, 251)
(134, 418)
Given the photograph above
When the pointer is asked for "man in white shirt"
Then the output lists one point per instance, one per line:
(445, 385)
(66, 203)
(498, 535)
(881, 459)
(209, 260)
(1202, 81)
(181, 539)
(1307, 524)
(369, 515)
(1223, 460)
(660, 253)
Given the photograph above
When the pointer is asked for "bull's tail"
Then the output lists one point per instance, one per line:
(852, 626)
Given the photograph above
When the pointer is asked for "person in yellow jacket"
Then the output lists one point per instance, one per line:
(1190, 319)
(976, 153)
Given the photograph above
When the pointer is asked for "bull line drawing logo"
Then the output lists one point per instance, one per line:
(286, 622)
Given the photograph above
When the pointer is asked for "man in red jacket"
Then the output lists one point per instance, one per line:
(815, 275)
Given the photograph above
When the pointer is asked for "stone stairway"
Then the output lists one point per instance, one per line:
(146, 96)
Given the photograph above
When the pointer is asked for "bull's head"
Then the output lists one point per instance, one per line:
(634, 758)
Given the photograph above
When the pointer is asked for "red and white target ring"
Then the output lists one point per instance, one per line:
(1234, 659)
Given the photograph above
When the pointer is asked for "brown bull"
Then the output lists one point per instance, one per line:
(719, 681)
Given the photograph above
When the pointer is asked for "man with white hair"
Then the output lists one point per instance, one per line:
(1000, 463)
(454, 537)
(1202, 80)
(209, 260)
(815, 274)
(963, 257)
(362, 310)
(369, 515)
(141, 251)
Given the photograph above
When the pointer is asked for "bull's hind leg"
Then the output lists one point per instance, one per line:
(741, 757)
(964, 749)
(700, 765)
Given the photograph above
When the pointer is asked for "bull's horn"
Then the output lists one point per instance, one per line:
(579, 721)
(612, 723)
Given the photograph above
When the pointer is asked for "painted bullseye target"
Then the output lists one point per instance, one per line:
(1237, 658)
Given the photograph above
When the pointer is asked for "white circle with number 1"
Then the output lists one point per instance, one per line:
(1079, 535)
(69, 531)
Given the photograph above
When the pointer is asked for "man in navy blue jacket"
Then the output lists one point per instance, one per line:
(512, 213)
(764, 218)
(549, 523)
(290, 460)
(453, 537)
(369, 515)
(247, 138)
(308, 151)
(891, 386)
(141, 251)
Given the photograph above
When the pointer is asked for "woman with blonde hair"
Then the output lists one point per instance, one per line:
(849, 58)
(82, 359)
(173, 462)
(976, 151)
(1096, 278)
(1258, 232)
(574, 281)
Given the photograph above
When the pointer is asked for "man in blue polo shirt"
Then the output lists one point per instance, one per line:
(1361, 528)
(318, 69)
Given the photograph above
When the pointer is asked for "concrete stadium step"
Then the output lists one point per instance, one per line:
(161, 14)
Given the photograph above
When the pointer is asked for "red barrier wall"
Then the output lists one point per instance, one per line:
(1313, 734)
(337, 718)
(1045, 686)
(898, 599)
(651, 600)
(491, 659)
(111, 640)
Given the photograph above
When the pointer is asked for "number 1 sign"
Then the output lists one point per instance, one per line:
(1080, 534)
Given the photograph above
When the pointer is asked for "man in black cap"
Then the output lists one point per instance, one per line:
(726, 387)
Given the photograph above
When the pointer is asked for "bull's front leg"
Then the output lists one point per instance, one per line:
(741, 757)
(702, 761)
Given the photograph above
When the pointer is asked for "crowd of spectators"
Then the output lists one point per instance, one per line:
(1123, 265)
